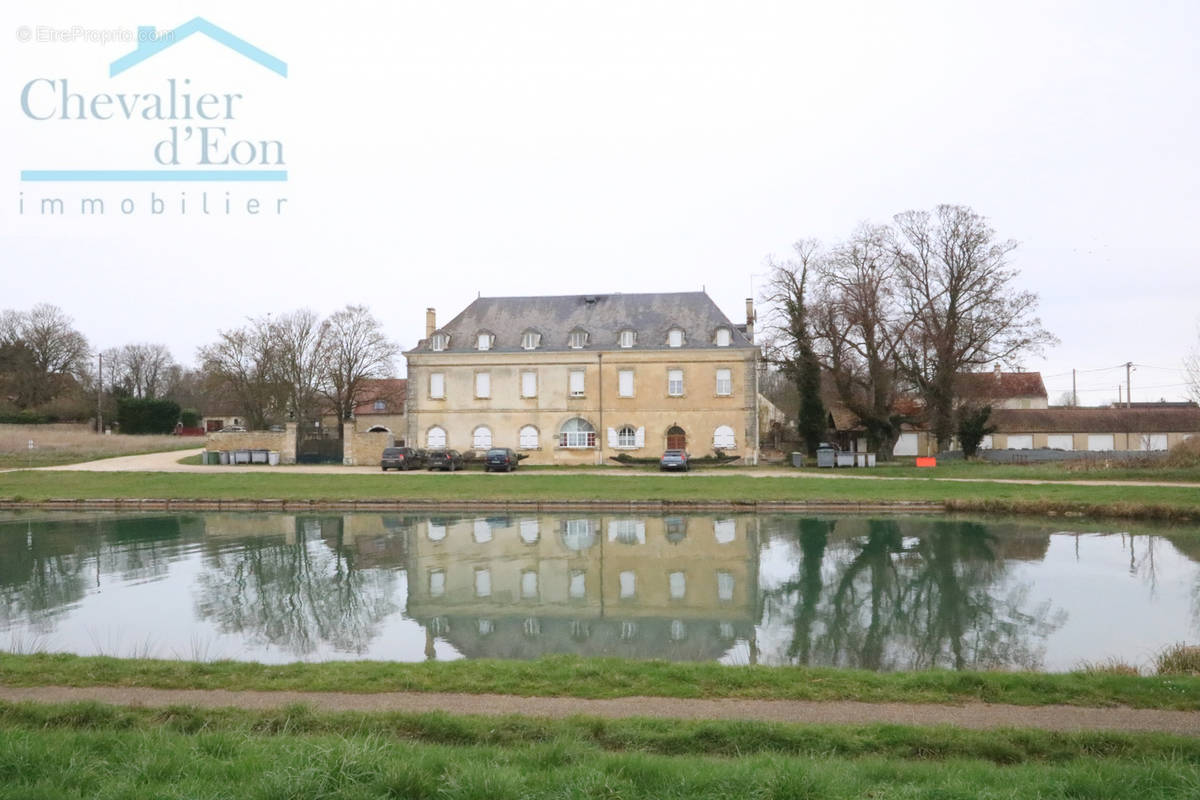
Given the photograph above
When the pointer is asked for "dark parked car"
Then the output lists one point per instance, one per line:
(500, 459)
(674, 459)
(445, 460)
(401, 458)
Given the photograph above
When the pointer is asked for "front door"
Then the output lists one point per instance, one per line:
(676, 438)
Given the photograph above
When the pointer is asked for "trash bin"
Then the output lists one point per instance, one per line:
(223, 457)
(826, 455)
(845, 459)
(258, 456)
(273, 458)
(241, 457)
(797, 459)
(860, 459)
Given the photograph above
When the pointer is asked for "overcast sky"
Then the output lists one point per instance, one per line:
(438, 150)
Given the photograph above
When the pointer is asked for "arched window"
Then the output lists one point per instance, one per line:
(482, 438)
(578, 534)
(435, 438)
(627, 437)
(528, 438)
(577, 432)
(723, 438)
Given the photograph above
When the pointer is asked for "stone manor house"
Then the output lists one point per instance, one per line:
(578, 379)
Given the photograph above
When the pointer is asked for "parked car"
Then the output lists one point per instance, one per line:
(674, 459)
(445, 460)
(232, 429)
(401, 458)
(500, 459)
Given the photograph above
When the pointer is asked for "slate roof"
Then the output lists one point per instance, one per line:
(603, 316)
(1096, 420)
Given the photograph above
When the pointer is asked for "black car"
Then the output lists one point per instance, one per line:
(445, 460)
(674, 459)
(500, 459)
(401, 458)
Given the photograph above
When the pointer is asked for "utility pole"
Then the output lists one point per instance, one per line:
(1074, 393)
(1128, 390)
(100, 394)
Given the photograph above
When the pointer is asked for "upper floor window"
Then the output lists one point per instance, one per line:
(380, 405)
(625, 383)
(577, 339)
(483, 384)
(575, 385)
(675, 337)
(528, 384)
(439, 341)
(724, 382)
(530, 340)
(675, 382)
(437, 385)
(484, 341)
(627, 338)
(724, 337)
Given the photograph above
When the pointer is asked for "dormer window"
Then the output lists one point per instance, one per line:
(530, 340)
(484, 341)
(627, 338)
(675, 337)
(724, 337)
(577, 339)
(439, 341)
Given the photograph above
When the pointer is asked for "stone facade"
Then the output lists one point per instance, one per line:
(533, 395)
(282, 442)
(364, 449)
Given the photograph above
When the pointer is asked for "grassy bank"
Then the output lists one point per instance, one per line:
(74, 444)
(1158, 502)
(565, 676)
(1097, 470)
(92, 751)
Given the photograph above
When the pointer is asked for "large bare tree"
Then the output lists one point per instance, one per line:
(357, 351)
(959, 291)
(859, 321)
(42, 353)
(301, 360)
(1191, 367)
(243, 363)
(790, 336)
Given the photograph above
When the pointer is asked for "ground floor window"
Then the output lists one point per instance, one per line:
(578, 433)
(627, 437)
(723, 438)
(529, 438)
(435, 439)
(482, 438)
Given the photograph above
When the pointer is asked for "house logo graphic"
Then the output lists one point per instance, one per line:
(201, 123)
(151, 43)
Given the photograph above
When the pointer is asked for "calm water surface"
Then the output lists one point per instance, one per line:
(883, 593)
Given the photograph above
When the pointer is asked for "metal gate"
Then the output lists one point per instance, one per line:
(319, 446)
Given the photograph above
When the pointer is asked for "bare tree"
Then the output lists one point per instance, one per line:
(790, 337)
(42, 353)
(139, 370)
(966, 314)
(859, 324)
(1191, 366)
(357, 350)
(243, 362)
(300, 360)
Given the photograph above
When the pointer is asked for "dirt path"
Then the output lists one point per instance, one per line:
(971, 715)
(169, 462)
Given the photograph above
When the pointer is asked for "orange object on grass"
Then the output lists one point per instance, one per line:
(926, 462)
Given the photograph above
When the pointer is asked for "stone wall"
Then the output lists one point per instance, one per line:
(365, 449)
(282, 442)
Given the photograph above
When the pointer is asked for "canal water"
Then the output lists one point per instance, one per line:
(873, 592)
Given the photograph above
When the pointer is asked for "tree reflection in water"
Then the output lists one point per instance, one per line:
(901, 595)
(297, 596)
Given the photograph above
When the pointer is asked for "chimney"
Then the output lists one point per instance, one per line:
(996, 372)
(750, 318)
(430, 322)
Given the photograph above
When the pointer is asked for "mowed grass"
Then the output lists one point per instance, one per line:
(74, 444)
(1091, 470)
(568, 676)
(1159, 502)
(100, 752)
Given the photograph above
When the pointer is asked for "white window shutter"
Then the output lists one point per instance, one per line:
(639, 439)
(612, 437)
